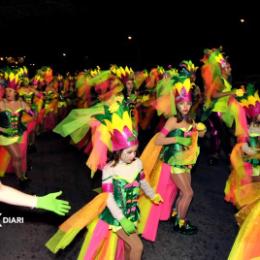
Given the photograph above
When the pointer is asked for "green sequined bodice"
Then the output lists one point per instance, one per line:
(126, 196)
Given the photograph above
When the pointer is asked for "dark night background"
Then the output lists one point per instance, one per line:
(93, 33)
(164, 32)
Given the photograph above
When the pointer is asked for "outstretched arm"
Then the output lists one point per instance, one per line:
(48, 202)
(15, 197)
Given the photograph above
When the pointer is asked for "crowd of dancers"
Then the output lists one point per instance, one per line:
(103, 111)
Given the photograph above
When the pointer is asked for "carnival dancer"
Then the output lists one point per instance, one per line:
(111, 217)
(12, 128)
(219, 95)
(243, 185)
(173, 153)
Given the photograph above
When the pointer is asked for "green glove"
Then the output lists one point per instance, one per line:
(49, 202)
(8, 131)
(186, 141)
(127, 225)
(157, 199)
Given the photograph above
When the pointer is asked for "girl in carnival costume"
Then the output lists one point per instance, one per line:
(188, 68)
(243, 185)
(245, 165)
(219, 96)
(173, 152)
(252, 107)
(111, 217)
(12, 128)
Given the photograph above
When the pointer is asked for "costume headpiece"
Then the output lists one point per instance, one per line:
(124, 74)
(112, 131)
(106, 85)
(171, 91)
(214, 61)
(251, 103)
(155, 75)
(46, 73)
(182, 90)
(12, 79)
(118, 123)
(187, 68)
(111, 126)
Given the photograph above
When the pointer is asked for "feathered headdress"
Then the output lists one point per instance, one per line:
(155, 75)
(112, 131)
(187, 68)
(12, 79)
(171, 91)
(251, 103)
(117, 121)
(46, 73)
(111, 127)
(214, 61)
(124, 74)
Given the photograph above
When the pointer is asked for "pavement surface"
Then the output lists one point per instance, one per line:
(57, 165)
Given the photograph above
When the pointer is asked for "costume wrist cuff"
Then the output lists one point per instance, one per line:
(107, 187)
(142, 176)
(164, 131)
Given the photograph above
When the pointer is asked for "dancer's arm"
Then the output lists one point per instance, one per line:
(48, 202)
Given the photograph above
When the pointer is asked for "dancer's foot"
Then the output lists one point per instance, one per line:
(185, 227)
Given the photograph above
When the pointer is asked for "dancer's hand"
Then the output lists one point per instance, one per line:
(201, 127)
(157, 199)
(248, 150)
(240, 92)
(186, 141)
(127, 225)
(51, 203)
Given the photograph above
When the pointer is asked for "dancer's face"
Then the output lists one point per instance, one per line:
(129, 85)
(184, 107)
(129, 154)
(10, 94)
(227, 69)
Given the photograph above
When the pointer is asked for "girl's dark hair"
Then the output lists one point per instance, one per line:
(114, 156)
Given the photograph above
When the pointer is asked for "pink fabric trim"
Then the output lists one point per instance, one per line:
(99, 234)
(98, 237)
(107, 187)
(165, 131)
(31, 126)
(168, 190)
(142, 176)
(242, 139)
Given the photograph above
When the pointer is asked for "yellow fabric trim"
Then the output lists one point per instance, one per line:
(256, 171)
(4, 141)
(177, 170)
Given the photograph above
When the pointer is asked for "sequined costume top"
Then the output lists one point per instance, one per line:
(126, 180)
(181, 157)
(12, 120)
